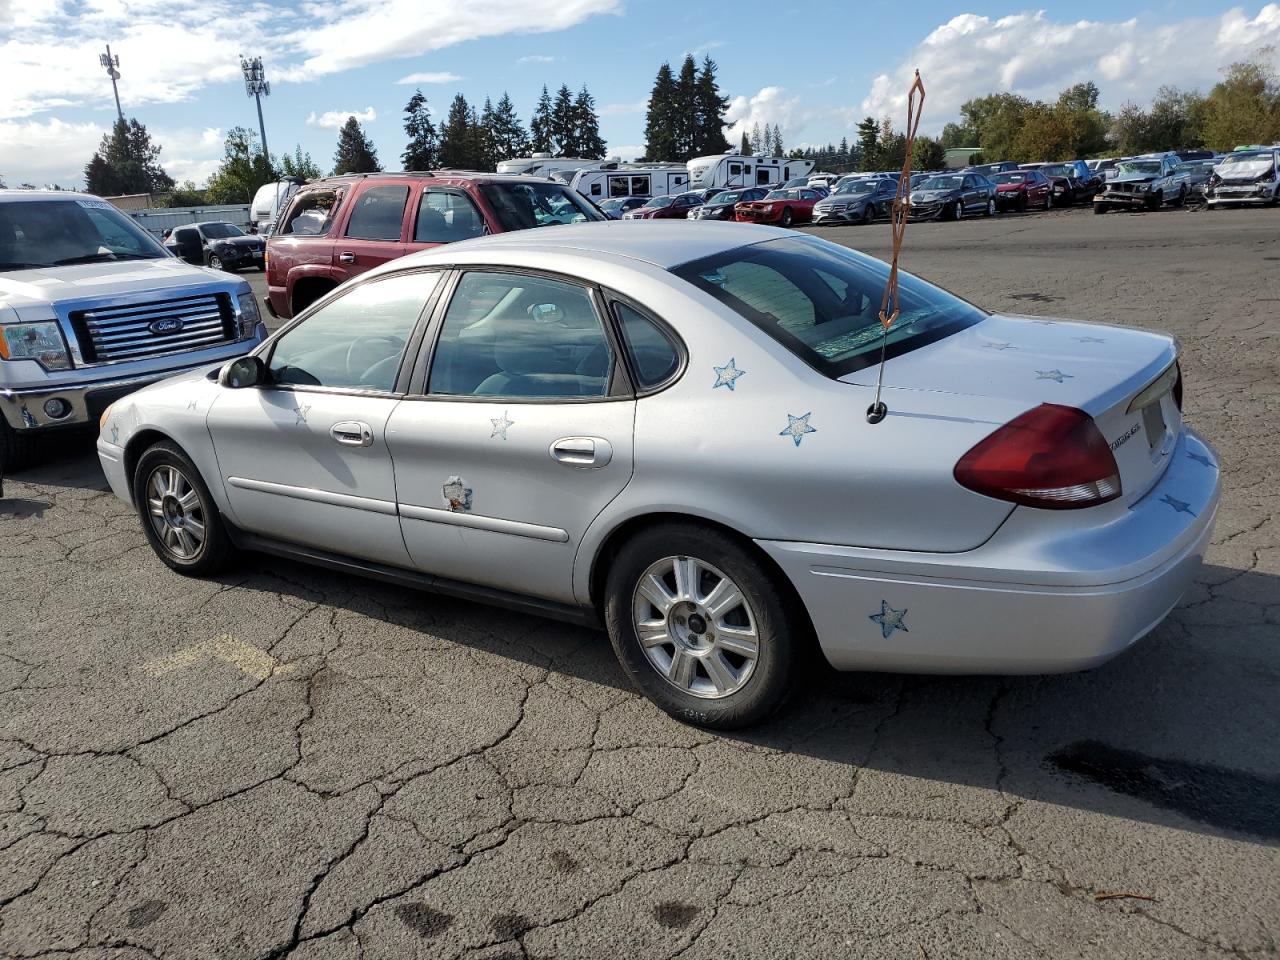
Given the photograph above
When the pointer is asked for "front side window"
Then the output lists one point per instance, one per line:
(523, 338)
(653, 354)
(522, 206)
(822, 301)
(379, 213)
(312, 213)
(356, 341)
(445, 216)
(46, 233)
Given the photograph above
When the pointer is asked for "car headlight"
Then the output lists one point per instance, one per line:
(250, 315)
(41, 342)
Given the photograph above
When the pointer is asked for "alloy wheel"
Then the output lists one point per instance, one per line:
(175, 511)
(696, 627)
(215, 263)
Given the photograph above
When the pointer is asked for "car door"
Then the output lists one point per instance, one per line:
(521, 435)
(444, 215)
(304, 457)
(374, 229)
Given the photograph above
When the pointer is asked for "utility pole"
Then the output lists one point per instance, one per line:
(112, 65)
(256, 86)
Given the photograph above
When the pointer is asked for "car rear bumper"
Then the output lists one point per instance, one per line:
(1043, 595)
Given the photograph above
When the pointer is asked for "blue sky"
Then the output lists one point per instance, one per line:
(813, 73)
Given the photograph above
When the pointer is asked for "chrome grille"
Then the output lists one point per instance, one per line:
(124, 332)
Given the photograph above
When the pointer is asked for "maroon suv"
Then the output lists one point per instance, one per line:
(338, 228)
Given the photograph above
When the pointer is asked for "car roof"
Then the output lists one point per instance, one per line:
(18, 196)
(477, 175)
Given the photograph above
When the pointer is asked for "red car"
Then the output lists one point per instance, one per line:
(1020, 189)
(336, 229)
(784, 207)
(673, 206)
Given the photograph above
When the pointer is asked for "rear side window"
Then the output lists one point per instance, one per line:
(445, 216)
(312, 213)
(378, 213)
(653, 354)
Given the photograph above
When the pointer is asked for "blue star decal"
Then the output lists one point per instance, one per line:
(115, 434)
(999, 346)
(797, 427)
(726, 375)
(890, 619)
(193, 405)
(1201, 458)
(1089, 339)
(1057, 376)
(1179, 506)
(301, 411)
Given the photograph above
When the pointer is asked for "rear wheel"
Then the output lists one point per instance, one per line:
(1182, 196)
(1048, 200)
(179, 517)
(701, 626)
(786, 217)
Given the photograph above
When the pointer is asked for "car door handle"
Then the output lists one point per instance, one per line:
(352, 433)
(582, 451)
(346, 258)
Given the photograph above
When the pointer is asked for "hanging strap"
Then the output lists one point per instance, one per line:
(901, 205)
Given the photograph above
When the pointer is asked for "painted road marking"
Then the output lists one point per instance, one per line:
(245, 657)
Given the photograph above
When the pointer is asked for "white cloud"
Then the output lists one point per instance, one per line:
(1036, 56)
(628, 151)
(333, 119)
(700, 51)
(47, 151)
(623, 109)
(770, 106)
(535, 58)
(440, 76)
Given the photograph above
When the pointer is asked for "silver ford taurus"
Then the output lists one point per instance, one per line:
(666, 431)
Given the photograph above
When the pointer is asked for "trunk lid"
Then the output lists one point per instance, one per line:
(1024, 361)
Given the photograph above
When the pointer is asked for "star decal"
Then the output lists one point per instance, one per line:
(890, 620)
(1201, 458)
(500, 425)
(1057, 376)
(999, 346)
(194, 404)
(797, 427)
(115, 434)
(726, 375)
(1089, 339)
(301, 410)
(1179, 506)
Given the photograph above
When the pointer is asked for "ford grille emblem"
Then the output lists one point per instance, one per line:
(166, 325)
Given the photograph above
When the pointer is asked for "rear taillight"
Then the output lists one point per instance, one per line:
(1177, 388)
(1053, 457)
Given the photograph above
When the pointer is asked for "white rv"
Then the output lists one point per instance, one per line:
(269, 201)
(608, 179)
(736, 170)
(542, 164)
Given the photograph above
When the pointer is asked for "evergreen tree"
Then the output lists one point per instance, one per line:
(659, 132)
(242, 171)
(564, 128)
(130, 163)
(685, 117)
(757, 142)
(843, 157)
(868, 141)
(587, 125)
(355, 153)
(708, 135)
(744, 148)
(507, 136)
(777, 142)
(456, 140)
(540, 125)
(486, 149)
(298, 164)
(421, 152)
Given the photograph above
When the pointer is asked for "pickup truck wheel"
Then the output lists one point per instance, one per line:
(16, 449)
(179, 516)
(1156, 202)
(1182, 196)
(1100, 208)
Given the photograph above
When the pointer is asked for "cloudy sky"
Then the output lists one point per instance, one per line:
(814, 70)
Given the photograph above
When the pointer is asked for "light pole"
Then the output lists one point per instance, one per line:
(112, 65)
(256, 86)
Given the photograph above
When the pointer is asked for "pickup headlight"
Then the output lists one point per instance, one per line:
(250, 315)
(41, 342)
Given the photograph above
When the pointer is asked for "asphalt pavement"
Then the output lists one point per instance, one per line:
(290, 762)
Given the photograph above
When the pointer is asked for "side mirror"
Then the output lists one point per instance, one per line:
(243, 372)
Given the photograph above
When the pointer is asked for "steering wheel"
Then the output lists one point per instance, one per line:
(396, 342)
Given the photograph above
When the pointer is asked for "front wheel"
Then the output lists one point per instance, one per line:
(1021, 205)
(16, 449)
(953, 211)
(868, 214)
(990, 209)
(179, 517)
(1100, 208)
(1156, 202)
(786, 217)
(701, 626)
(216, 262)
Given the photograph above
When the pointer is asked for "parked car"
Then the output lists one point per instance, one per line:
(1144, 183)
(1073, 181)
(338, 228)
(1245, 176)
(216, 244)
(1020, 189)
(862, 201)
(706, 193)
(783, 207)
(615, 207)
(92, 307)
(721, 206)
(1198, 173)
(989, 170)
(674, 206)
(1196, 154)
(951, 196)
(1035, 510)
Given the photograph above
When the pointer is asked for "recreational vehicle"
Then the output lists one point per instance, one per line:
(612, 179)
(736, 170)
(542, 164)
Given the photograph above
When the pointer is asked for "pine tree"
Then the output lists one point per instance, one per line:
(778, 150)
(355, 153)
(420, 154)
(540, 125)
(757, 143)
(708, 135)
(564, 129)
(487, 151)
(685, 118)
(659, 133)
(745, 147)
(868, 141)
(506, 134)
(587, 126)
(130, 163)
(455, 135)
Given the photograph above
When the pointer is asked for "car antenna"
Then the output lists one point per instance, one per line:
(877, 411)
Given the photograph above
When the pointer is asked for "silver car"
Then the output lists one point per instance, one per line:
(860, 201)
(667, 432)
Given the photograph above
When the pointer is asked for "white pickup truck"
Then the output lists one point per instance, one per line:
(92, 308)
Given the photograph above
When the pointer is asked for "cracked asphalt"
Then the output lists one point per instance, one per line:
(291, 763)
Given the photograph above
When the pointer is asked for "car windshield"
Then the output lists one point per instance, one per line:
(221, 231)
(614, 204)
(1139, 166)
(942, 183)
(822, 301)
(777, 194)
(860, 186)
(520, 206)
(52, 233)
(659, 202)
(732, 196)
(1012, 178)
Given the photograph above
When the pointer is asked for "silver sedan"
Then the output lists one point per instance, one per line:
(667, 432)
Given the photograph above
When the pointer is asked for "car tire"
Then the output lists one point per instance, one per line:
(953, 211)
(787, 218)
(868, 215)
(1021, 205)
(1156, 202)
(1100, 208)
(1048, 200)
(170, 520)
(647, 563)
(990, 209)
(215, 262)
(1182, 196)
(17, 449)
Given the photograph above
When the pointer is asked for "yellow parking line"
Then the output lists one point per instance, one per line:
(245, 657)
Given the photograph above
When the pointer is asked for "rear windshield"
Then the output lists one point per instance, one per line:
(221, 231)
(520, 206)
(55, 233)
(822, 301)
